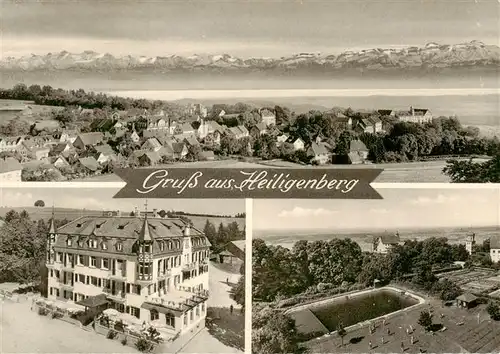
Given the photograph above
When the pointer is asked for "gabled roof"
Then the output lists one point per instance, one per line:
(318, 149)
(154, 143)
(178, 147)
(389, 239)
(357, 145)
(385, 112)
(105, 149)
(467, 297)
(191, 140)
(261, 126)
(238, 130)
(90, 163)
(9, 164)
(93, 138)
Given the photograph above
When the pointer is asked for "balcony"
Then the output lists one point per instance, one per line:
(118, 275)
(114, 294)
(68, 267)
(164, 275)
(66, 286)
(189, 266)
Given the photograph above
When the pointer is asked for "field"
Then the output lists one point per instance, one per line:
(40, 112)
(477, 281)
(71, 214)
(463, 331)
(287, 238)
(411, 172)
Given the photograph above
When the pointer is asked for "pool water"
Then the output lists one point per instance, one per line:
(360, 307)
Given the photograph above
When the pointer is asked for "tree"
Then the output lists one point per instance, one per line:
(493, 310)
(273, 332)
(238, 294)
(40, 203)
(341, 332)
(473, 172)
(425, 320)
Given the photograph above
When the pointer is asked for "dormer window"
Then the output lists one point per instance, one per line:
(104, 246)
(169, 245)
(119, 246)
(162, 245)
(147, 248)
(69, 242)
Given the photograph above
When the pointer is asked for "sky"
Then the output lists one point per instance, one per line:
(102, 199)
(247, 28)
(400, 208)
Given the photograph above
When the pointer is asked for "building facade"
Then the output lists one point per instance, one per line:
(152, 268)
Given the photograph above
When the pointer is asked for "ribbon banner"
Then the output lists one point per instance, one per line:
(230, 183)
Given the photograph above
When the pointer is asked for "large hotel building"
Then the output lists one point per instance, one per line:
(149, 267)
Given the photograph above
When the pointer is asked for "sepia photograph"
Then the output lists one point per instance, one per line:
(407, 86)
(82, 272)
(416, 272)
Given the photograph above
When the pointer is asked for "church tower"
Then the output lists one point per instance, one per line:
(470, 242)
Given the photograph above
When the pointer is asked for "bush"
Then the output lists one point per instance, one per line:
(119, 326)
(124, 341)
(43, 311)
(143, 345)
(57, 314)
(494, 311)
(111, 334)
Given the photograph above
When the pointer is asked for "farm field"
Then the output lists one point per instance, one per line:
(39, 112)
(478, 280)
(411, 172)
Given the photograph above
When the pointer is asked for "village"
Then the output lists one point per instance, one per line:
(68, 143)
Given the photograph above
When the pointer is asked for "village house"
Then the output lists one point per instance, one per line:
(268, 117)
(298, 143)
(10, 143)
(10, 170)
(152, 144)
(190, 140)
(102, 125)
(238, 132)
(149, 158)
(61, 148)
(85, 140)
(61, 162)
(341, 120)
(180, 150)
(495, 249)
(184, 128)
(358, 152)
(258, 129)
(415, 115)
(155, 269)
(89, 165)
(134, 136)
(213, 139)
(105, 153)
(68, 136)
(31, 151)
(371, 124)
(384, 243)
(319, 153)
(281, 139)
(208, 127)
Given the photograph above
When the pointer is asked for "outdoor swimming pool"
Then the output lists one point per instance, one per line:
(350, 310)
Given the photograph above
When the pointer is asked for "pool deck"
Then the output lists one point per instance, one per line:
(354, 294)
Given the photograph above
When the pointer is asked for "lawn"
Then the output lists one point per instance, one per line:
(227, 327)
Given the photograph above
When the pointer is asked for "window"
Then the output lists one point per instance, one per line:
(161, 245)
(104, 246)
(134, 311)
(105, 263)
(81, 278)
(93, 262)
(69, 242)
(119, 246)
(170, 320)
(185, 320)
(147, 248)
(81, 260)
(51, 274)
(93, 281)
(154, 315)
(60, 257)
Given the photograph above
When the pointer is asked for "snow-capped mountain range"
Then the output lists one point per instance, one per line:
(432, 55)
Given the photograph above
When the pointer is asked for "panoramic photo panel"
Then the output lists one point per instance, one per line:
(82, 272)
(416, 272)
(358, 84)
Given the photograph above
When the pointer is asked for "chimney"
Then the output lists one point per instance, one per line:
(187, 230)
(155, 213)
